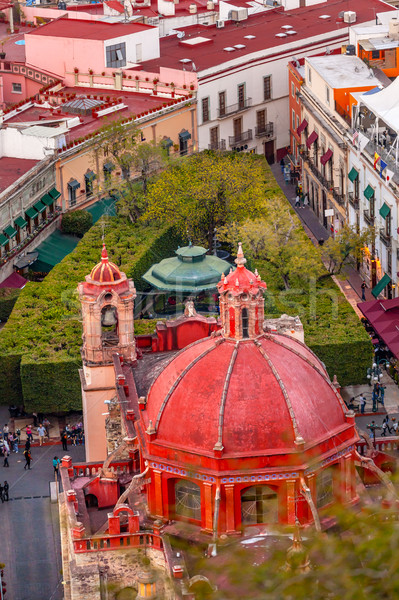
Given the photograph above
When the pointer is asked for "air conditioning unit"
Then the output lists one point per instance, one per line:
(349, 16)
(239, 15)
(219, 24)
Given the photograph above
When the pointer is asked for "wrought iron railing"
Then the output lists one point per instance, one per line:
(219, 145)
(226, 111)
(240, 138)
(266, 130)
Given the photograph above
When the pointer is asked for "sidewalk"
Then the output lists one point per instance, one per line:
(350, 286)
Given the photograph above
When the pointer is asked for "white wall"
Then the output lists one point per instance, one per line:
(15, 142)
(149, 40)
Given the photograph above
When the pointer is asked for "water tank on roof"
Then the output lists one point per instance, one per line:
(349, 16)
(210, 5)
(193, 9)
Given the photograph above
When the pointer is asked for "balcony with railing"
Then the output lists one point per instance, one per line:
(368, 218)
(385, 237)
(353, 201)
(266, 130)
(338, 196)
(240, 138)
(219, 145)
(342, 113)
(227, 111)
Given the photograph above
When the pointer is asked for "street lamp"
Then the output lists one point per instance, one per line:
(374, 373)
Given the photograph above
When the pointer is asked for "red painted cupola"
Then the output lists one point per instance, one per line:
(244, 408)
(105, 271)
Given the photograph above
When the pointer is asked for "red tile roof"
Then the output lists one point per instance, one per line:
(12, 169)
(88, 30)
(305, 21)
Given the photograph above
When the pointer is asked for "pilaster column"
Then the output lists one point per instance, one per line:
(230, 509)
(208, 517)
(290, 500)
(158, 502)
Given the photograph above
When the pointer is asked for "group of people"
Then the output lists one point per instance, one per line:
(74, 433)
(389, 426)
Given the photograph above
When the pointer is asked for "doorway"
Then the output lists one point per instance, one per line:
(269, 152)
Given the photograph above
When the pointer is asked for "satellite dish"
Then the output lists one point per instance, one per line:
(181, 35)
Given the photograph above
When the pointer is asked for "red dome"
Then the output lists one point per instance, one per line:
(241, 280)
(105, 271)
(252, 398)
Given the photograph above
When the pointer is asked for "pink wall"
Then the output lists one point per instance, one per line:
(32, 12)
(59, 55)
(8, 95)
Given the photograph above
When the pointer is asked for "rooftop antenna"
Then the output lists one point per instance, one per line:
(193, 65)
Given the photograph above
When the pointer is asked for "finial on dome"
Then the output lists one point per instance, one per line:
(104, 253)
(240, 260)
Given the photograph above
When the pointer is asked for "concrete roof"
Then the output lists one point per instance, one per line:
(342, 71)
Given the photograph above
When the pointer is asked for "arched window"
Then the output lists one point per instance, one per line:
(325, 487)
(245, 322)
(259, 504)
(188, 499)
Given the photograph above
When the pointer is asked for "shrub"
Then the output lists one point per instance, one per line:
(77, 222)
(8, 297)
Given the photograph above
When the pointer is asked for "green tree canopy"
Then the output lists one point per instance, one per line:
(347, 245)
(207, 190)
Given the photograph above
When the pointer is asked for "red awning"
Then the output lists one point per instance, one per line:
(14, 281)
(326, 157)
(302, 126)
(311, 139)
(383, 316)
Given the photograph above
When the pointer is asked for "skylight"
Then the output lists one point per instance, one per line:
(239, 46)
(291, 32)
(229, 49)
(185, 60)
(281, 35)
(249, 37)
(286, 26)
(325, 17)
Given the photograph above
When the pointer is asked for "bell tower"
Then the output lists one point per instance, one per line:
(107, 300)
(241, 301)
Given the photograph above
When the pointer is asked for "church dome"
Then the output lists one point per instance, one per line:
(105, 271)
(248, 398)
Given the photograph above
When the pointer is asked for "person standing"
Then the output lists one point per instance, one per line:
(362, 403)
(5, 491)
(382, 394)
(297, 201)
(29, 433)
(5, 432)
(56, 464)
(6, 454)
(41, 430)
(363, 287)
(1, 493)
(28, 458)
(374, 398)
(46, 425)
(395, 426)
(64, 440)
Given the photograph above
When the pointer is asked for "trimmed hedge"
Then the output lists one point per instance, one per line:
(77, 222)
(8, 297)
(40, 344)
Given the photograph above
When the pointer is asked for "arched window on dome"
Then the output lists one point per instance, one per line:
(259, 504)
(187, 499)
(245, 323)
(325, 487)
(109, 325)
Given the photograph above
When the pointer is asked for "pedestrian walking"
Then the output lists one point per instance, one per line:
(15, 443)
(27, 445)
(373, 427)
(395, 426)
(382, 394)
(41, 430)
(363, 287)
(46, 425)
(64, 440)
(374, 399)
(385, 425)
(6, 454)
(282, 165)
(56, 464)
(306, 199)
(297, 201)
(5, 491)
(29, 433)
(5, 432)
(28, 458)
(362, 402)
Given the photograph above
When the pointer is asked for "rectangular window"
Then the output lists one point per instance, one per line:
(17, 88)
(241, 96)
(309, 76)
(375, 54)
(267, 87)
(388, 224)
(293, 119)
(297, 122)
(222, 104)
(116, 55)
(327, 94)
(214, 137)
(205, 110)
(292, 89)
(261, 120)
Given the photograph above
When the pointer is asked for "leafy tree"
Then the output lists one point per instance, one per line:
(135, 159)
(347, 245)
(208, 190)
(279, 239)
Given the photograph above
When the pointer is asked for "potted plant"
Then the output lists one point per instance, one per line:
(76, 70)
(91, 72)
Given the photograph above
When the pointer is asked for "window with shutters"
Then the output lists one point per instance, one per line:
(222, 104)
(267, 87)
(205, 110)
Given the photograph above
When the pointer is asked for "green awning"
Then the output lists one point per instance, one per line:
(31, 213)
(90, 176)
(47, 200)
(353, 174)
(376, 291)
(109, 166)
(369, 192)
(39, 206)
(3, 240)
(54, 193)
(384, 211)
(20, 222)
(10, 231)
